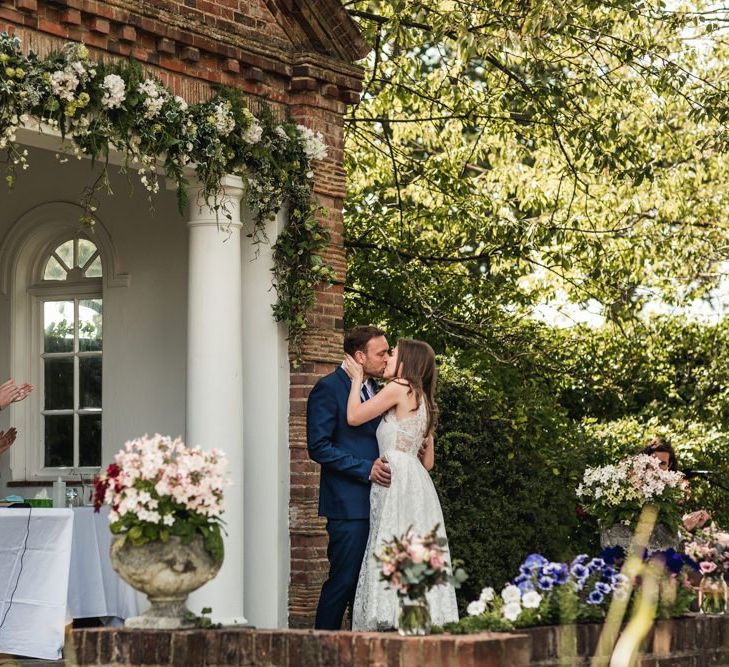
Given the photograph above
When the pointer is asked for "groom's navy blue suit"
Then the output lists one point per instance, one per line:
(346, 454)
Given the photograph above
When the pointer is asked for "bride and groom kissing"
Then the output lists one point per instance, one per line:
(375, 449)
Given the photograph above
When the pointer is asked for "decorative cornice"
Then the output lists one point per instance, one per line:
(324, 42)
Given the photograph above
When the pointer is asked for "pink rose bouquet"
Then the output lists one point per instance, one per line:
(413, 564)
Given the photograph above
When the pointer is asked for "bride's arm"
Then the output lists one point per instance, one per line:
(360, 413)
(427, 453)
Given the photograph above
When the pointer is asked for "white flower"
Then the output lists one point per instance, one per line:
(64, 84)
(314, 145)
(222, 119)
(114, 91)
(181, 103)
(487, 594)
(281, 132)
(531, 600)
(511, 611)
(511, 594)
(253, 133)
(476, 608)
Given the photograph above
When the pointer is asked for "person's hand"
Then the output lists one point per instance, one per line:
(24, 391)
(353, 369)
(9, 392)
(7, 438)
(424, 447)
(380, 473)
(695, 520)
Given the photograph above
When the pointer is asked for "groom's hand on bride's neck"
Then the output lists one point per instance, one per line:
(380, 473)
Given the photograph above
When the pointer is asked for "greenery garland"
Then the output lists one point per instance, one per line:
(100, 107)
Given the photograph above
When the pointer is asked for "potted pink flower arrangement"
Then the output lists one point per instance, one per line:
(709, 547)
(166, 504)
(411, 565)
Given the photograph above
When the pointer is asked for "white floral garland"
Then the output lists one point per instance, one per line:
(99, 108)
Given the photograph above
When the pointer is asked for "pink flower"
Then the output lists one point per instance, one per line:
(436, 560)
(388, 569)
(707, 567)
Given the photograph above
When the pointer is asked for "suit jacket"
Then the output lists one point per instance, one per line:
(345, 452)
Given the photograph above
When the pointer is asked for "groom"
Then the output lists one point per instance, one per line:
(349, 461)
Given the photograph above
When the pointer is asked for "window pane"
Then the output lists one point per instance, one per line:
(89, 325)
(58, 326)
(65, 252)
(59, 440)
(89, 440)
(94, 271)
(59, 383)
(89, 382)
(54, 270)
(85, 250)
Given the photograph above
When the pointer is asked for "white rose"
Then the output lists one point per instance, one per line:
(511, 594)
(512, 610)
(476, 608)
(531, 600)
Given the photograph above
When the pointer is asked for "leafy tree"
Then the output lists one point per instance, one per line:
(505, 154)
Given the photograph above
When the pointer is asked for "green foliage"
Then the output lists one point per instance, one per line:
(186, 526)
(507, 463)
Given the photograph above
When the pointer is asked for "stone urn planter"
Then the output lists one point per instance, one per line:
(621, 535)
(166, 572)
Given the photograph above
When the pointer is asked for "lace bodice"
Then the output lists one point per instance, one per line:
(403, 435)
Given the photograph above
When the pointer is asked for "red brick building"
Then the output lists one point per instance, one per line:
(301, 58)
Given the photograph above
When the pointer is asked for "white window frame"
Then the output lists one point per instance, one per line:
(54, 291)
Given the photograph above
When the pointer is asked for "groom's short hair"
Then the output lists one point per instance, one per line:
(356, 339)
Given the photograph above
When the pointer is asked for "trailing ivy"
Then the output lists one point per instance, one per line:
(99, 108)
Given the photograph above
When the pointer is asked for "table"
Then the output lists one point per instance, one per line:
(35, 556)
(66, 573)
(94, 589)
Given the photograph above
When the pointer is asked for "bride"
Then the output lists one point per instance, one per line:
(408, 410)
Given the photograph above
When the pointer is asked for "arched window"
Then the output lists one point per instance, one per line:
(70, 301)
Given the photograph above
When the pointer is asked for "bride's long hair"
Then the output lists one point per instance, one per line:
(416, 364)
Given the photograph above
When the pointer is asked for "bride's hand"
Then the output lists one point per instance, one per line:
(353, 369)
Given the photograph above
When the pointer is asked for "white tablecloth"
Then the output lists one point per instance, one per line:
(34, 623)
(94, 589)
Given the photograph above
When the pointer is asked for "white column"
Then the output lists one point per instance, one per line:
(214, 376)
(266, 412)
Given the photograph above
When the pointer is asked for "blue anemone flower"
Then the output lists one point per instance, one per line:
(603, 587)
(560, 573)
(579, 571)
(545, 583)
(524, 582)
(533, 561)
(579, 560)
(595, 597)
(595, 564)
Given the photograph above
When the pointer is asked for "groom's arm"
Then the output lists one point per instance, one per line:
(321, 424)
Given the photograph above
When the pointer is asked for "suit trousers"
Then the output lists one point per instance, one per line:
(347, 542)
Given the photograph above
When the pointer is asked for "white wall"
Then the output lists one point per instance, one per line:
(144, 323)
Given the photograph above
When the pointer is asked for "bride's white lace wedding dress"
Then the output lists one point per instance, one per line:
(411, 500)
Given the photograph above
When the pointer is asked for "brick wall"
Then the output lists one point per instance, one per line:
(698, 641)
(295, 54)
(292, 648)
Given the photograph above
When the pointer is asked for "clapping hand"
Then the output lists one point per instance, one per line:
(353, 369)
(12, 393)
(7, 438)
